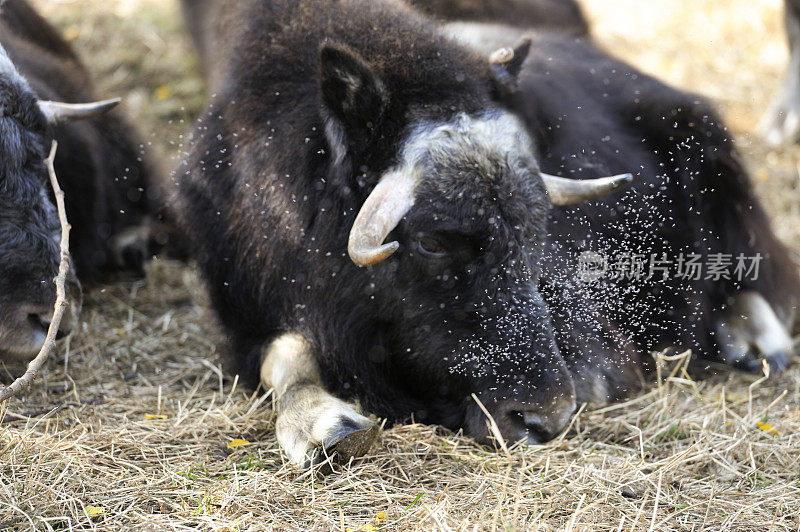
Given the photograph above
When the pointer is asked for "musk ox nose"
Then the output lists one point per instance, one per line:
(23, 333)
(24, 324)
(534, 423)
(42, 323)
(40, 319)
(530, 421)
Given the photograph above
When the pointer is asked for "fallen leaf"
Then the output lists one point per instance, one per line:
(237, 443)
(151, 417)
(91, 511)
(766, 427)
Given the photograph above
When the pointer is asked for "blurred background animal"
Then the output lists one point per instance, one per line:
(101, 163)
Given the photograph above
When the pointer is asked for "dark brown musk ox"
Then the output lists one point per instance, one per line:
(46, 94)
(359, 118)
(376, 215)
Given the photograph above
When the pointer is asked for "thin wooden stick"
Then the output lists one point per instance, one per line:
(61, 297)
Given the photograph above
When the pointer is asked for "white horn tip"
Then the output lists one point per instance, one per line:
(60, 112)
(501, 56)
(107, 105)
(373, 256)
(621, 180)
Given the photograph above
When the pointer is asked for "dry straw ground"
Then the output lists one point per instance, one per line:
(131, 424)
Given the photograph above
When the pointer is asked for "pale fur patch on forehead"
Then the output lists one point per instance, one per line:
(496, 134)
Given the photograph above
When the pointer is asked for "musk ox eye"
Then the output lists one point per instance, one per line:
(431, 247)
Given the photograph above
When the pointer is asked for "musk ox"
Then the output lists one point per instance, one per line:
(106, 178)
(375, 212)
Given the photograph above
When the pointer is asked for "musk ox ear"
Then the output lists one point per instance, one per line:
(353, 96)
(507, 63)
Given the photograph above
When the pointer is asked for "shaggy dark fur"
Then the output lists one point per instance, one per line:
(100, 163)
(29, 226)
(592, 115)
(269, 199)
(101, 168)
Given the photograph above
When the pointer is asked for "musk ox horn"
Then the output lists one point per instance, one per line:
(501, 56)
(391, 199)
(59, 113)
(564, 191)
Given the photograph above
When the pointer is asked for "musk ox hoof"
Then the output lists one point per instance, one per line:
(351, 441)
(353, 444)
(778, 362)
(312, 425)
(751, 332)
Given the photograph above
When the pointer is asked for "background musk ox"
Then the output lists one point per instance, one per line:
(100, 165)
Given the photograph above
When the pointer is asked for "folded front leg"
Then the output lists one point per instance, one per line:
(311, 423)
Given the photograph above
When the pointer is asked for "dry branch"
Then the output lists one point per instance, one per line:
(61, 300)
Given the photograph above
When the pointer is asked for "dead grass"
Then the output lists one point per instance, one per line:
(130, 426)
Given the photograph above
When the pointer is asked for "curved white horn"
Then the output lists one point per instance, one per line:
(391, 199)
(59, 113)
(563, 191)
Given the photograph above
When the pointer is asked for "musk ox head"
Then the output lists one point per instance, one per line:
(29, 225)
(452, 233)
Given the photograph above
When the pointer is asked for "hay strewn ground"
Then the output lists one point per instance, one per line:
(131, 424)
